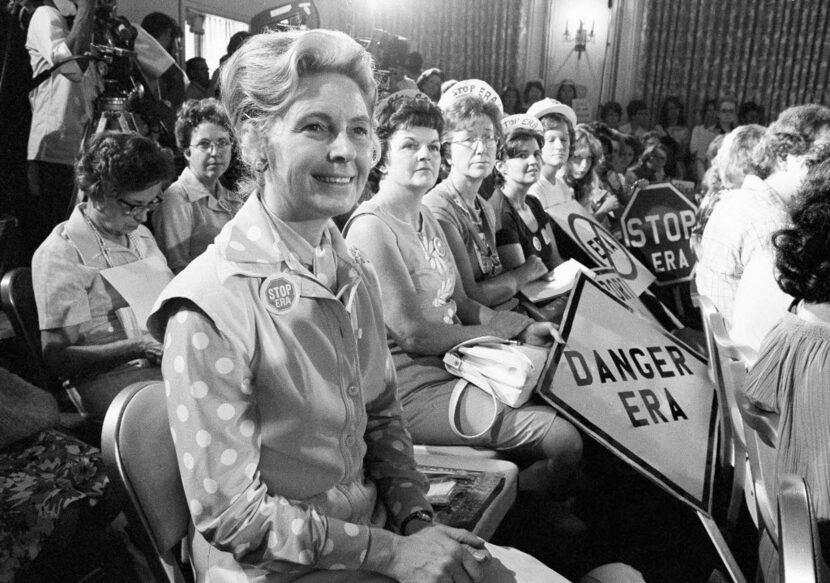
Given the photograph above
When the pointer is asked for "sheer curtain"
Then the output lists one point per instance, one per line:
(773, 52)
(464, 38)
(211, 45)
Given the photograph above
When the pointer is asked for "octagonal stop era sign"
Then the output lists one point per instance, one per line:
(657, 226)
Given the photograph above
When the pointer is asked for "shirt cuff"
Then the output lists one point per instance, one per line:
(345, 547)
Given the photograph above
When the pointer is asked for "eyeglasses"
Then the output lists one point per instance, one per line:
(134, 210)
(207, 145)
(488, 141)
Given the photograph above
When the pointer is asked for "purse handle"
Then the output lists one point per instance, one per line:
(457, 391)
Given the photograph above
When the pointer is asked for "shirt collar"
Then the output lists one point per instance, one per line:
(78, 232)
(194, 190)
(255, 244)
(756, 184)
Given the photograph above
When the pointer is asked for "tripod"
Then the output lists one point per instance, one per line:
(112, 115)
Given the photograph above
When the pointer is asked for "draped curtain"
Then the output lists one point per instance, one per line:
(218, 31)
(773, 52)
(464, 38)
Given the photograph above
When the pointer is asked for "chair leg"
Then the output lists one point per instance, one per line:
(724, 552)
(736, 496)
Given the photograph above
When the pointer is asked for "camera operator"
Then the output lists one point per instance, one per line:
(157, 48)
(61, 106)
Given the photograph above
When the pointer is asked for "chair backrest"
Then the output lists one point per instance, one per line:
(761, 430)
(799, 552)
(728, 366)
(140, 457)
(17, 297)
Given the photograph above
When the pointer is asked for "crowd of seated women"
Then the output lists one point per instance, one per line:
(293, 433)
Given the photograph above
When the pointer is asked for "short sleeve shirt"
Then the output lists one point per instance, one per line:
(514, 230)
(551, 194)
(69, 288)
(63, 103)
(190, 217)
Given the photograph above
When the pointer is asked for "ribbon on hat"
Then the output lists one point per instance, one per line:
(521, 121)
(472, 88)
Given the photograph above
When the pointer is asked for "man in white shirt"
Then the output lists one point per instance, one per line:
(743, 221)
(558, 121)
(62, 105)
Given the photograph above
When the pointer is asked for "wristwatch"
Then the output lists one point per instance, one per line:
(417, 515)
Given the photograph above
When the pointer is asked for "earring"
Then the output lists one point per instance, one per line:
(261, 165)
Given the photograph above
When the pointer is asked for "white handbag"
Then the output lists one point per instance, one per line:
(507, 371)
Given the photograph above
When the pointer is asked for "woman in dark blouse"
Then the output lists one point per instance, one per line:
(525, 229)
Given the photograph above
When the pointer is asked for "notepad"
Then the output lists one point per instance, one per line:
(558, 282)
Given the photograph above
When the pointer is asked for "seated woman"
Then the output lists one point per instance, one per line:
(511, 100)
(82, 272)
(525, 228)
(427, 311)
(651, 165)
(701, 137)
(674, 134)
(470, 139)
(429, 82)
(581, 176)
(196, 207)
(293, 453)
(793, 370)
(533, 91)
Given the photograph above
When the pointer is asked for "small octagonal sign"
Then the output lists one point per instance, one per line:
(657, 227)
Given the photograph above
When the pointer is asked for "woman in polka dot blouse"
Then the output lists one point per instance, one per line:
(293, 455)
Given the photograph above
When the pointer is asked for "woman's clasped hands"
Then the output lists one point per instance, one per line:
(438, 554)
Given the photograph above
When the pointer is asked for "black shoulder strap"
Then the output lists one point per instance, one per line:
(38, 79)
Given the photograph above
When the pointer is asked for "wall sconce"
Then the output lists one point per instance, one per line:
(581, 37)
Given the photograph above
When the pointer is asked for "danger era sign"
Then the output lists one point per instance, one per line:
(636, 389)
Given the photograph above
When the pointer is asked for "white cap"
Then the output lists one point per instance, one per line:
(547, 106)
(521, 120)
(472, 87)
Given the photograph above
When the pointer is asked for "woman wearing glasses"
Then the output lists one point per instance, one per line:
(81, 272)
(196, 207)
(470, 140)
(427, 312)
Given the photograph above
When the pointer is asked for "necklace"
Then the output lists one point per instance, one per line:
(100, 240)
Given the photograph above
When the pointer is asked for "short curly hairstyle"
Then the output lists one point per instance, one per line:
(734, 157)
(194, 113)
(114, 163)
(802, 251)
(404, 111)
(466, 108)
(793, 133)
